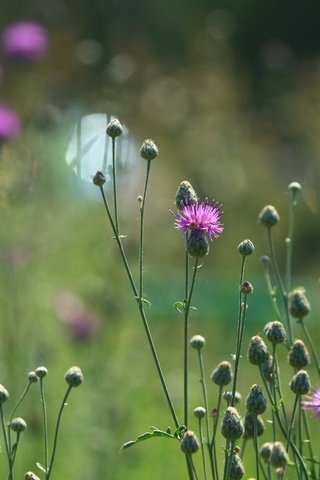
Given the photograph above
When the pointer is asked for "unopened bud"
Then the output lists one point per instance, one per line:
(74, 377)
(275, 332)
(148, 150)
(99, 179)
(32, 377)
(236, 468)
(30, 476)
(4, 395)
(41, 372)
(185, 195)
(222, 374)
(299, 305)
(232, 426)
(298, 356)
(257, 351)
(18, 425)
(278, 457)
(269, 216)
(249, 420)
(246, 248)
(197, 342)
(189, 443)
(300, 383)
(114, 128)
(197, 244)
(199, 412)
(256, 401)
(294, 187)
(227, 396)
(246, 288)
(265, 451)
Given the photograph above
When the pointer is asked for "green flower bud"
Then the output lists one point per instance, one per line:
(18, 425)
(269, 216)
(232, 426)
(294, 187)
(185, 195)
(197, 244)
(99, 179)
(246, 288)
(32, 377)
(265, 451)
(236, 469)
(246, 248)
(300, 383)
(257, 351)
(41, 372)
(266, 368)
(227, 396)
(256, 401)
(4, 395)
(199, 412)
(114, 128)
(222, 374)
(298, 356)
(197, 342)
(299, 305)
(275, 332)
(249, 420)
(189, 443)
(74, 377)
(148, 150)
(278, 456)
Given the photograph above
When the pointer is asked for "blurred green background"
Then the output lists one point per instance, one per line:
(229, 91)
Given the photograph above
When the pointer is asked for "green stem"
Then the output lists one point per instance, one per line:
(56, 431)
(141, 245)
(255, 442)
(15, 409)
(45, 425)
(310, 446)
(215, 428)
(114, 182)
(311, 345)
(271, 291)
(4, 430)
(289, 239)
(202, 449)
(292, 421)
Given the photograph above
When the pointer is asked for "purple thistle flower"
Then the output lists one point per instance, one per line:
(9, 123)
(25, 40)
(313, 402)
(202, 218)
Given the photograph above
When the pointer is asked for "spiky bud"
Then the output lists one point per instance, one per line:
(99, 179)
(299, 305)
(148, 150)
(256, 401)
(265, 451)
(236, 468)
(278, 457)
(257, 351)
(232, 426)
(300, 383)
(114, 128)
(4, 395)
(246, 248)
(197, 244)
(222, 374)
(275, 332)
(197, 342)
(246, 288)
(185, 195)
(269, 217)
(189, 443)
(41, 372)
(18, 425)
(32, 377)
(298, 356)
(199, 412)
(249, 420)
(74, 377)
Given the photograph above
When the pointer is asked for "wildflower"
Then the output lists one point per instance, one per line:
(269, 216)
(299, 305)
(222, 374)
(185, 195)
(256, 401)
(236, 469)
(313, 402)
(149, 150)
(275, 332)
(298, 356)
(189, 443)
(300, 383)
(9, 123)
(257, 351)
(25, 40)
(232, 426)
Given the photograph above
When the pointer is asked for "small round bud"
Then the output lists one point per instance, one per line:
(197, 342)
(232, 426)
(41, 372)
(236, 469)
(278, 456)
(148, 150)
(30, 476)
(275, 332)
(298, 356)
(227, 396)
(197, 244)
(265, 260)
(246, 248)
(269, 216)
(185, 195)
(4, 395)
(249, 420)
(199, 412)
(257, 351)
(294, 187)
(256, 401)
(32, 377)
(222, 374)
(99, 179)
(265, 451)
(114, 128)
(140, 199)
(300, 383)
(18, 425)
(189, 443)
(74, 377)
(299, 305)
(246, 288)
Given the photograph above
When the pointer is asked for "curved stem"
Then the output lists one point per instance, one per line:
(45, 425)
(255, 442)
(289, 239)
(292, 421)
(215, 427)
(202, 449)
(8, 452)
(311, 345)
(114, 182)
(141, 243)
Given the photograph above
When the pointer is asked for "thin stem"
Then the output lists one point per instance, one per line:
(202, 449)
(190, 467)
(141, 311)
(141, 244)
(6, 442)
(215, 427)
(45, 425)
(114, 182)
(289, 239)
(15, 409)
(311, 345)
(56, 431)
(255, 442)
(271, 291)
(308, 435)
(292, 421)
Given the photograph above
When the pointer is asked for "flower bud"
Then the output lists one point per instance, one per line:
(185, 195)
(249, 420)
(257, 351)
(232, 426)
(197, 244)
(4, 395)
(246, 248)
(41, 372)
(197, 342)
(227, 395)
(294, 187)
(74, 377)
(265, 451)
(265, 260)
(278, 456)
(269, 216)
(300, 383)
(236, 468)
(199, 412)
(31, 476)
(114, 128)
(256, 401)
(267, 368)
(99, 179)
(148, 150)
(298, 356)
(32, 377)
(299, 305)
(246, 288)
(275, 332)
(222, 374)
(18, 425)
(189, 443)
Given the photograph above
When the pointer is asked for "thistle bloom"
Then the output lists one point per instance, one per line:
(200, 218)
(9, 123)
(313, 403)
(25, 40)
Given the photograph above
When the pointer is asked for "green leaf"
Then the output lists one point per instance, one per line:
(41, 467)
(179, 432)
(156, 432)
(179, 306)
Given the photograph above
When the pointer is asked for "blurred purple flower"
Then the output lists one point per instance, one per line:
(313, 402)
(10, 123)
(201, 217)
(25, 40)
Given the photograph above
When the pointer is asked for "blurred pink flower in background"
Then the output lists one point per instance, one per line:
(10, 123)
(25, 40)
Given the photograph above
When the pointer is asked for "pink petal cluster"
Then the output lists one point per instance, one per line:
(9, 123)
(25, 40)
(201, 217)
(313, 402)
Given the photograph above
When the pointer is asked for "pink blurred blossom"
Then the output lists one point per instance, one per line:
(25, 40)
(10, 123)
